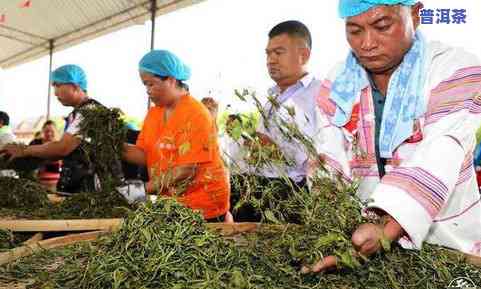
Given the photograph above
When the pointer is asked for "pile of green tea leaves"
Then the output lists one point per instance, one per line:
(28, 199)
(21, 195)
(161, 245)
(23, 198)
(329, 216)
(9, 239)
(106, 134)
(165, 245)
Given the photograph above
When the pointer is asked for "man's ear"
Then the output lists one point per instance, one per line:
(305, 55)
(415, 11)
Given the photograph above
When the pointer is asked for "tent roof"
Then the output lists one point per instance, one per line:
(25, 33)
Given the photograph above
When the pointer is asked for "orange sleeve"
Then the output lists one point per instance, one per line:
(140, 143)
(196, 140)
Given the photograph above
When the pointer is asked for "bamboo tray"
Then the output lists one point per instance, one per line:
(95, 228)
(110, 225)
(61, 225)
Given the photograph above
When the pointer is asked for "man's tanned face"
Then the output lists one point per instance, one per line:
(381, 36)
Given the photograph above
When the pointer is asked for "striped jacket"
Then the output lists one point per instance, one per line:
(430, 184)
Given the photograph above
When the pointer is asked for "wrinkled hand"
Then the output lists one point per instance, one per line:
(13, 151)
(367, 240)
(326, 264)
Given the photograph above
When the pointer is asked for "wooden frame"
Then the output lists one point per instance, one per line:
(51, 243)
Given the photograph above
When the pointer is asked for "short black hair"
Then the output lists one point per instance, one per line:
(292, 28)
(48, 122)
(4, 118)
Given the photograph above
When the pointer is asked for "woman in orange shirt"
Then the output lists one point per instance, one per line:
(178, 141)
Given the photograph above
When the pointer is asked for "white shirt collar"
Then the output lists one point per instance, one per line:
(305, 81)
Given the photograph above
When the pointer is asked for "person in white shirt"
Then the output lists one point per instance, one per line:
(292, 102)
(78, 174)
(6, 134)
(6, 137)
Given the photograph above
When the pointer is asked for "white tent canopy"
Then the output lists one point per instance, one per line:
(52, 25)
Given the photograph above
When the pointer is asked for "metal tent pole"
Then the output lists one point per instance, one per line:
(51, 46)
(153, 12)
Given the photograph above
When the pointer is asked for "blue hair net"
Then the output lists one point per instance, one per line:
(348, 8)
(72, 74)
(164, 63)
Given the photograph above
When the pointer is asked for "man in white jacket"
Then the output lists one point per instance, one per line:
(400, 116)
(291, 105)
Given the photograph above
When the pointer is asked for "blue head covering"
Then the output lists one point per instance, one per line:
(164, 63)
(348, 8)
(72, 74)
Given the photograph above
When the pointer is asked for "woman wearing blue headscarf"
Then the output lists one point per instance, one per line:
(178, 141)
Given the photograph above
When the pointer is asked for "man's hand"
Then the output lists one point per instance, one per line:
(326, 264)
(367, 240)
(54, 150)
(14, 151)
